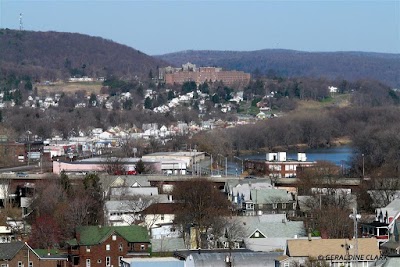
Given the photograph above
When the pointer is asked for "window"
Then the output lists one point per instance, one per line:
(108, 247)
(20, 264)
(87, 262)
(4, 265)
(162, 217)
(114, 237)
(120, 247)
(283, 205)
(274, 206)
(108, 261)
(142, 247)
(87, 248)
(30, 263)
(256, 234)
(98, 261)
(120, 261)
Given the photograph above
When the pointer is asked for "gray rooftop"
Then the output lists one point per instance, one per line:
(177, 154)
(269, 196)
(271, 226)
(253, 259)
(132, 191)
(135, 205)
(167, 244)
(9, 250)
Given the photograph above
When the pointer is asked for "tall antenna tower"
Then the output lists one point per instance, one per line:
(21, 26)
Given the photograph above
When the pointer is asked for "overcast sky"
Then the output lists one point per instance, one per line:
(158, 27)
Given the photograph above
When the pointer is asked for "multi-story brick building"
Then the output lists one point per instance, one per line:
(105, 246)
(19, 254)
(189, 73)
(277, 165)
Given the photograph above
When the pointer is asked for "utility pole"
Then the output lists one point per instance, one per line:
(241, 162)
(41, 160)
(211, 166)
(226, 166)
(355, 218)
(363, 172)
(29, 146)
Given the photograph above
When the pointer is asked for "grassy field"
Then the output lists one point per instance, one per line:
(93, 87)
(342, 100)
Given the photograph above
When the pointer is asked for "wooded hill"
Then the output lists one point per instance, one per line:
(52, 55)
(289, 63)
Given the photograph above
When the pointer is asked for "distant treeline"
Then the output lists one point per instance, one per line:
(350, 66)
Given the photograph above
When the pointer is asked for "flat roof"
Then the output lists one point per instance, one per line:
(179, 154)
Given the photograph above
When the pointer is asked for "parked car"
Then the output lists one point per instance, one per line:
(22, 174)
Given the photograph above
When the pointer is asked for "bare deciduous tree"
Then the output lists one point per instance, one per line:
(202, 203)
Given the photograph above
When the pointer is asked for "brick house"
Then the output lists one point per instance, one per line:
(20, 254)
(99, 246)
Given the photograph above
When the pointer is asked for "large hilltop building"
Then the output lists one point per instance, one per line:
(189, 72)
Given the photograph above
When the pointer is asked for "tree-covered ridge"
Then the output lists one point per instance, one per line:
(288, 63)
(54, 55)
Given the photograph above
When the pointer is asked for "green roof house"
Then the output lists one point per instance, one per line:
(107, 245)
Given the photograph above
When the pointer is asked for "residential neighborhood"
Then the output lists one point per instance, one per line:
(141, 217)
(199, 134)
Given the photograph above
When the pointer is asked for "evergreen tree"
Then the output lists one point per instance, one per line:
(127, 104)
(65, 182)
(17, 97)
(188, 87)
(204, 88)
(140, 91)
(140, 167)
(28, 85)
(171, 94)
(92, 100)
(215, 98)
(148, 103)
(92, 187)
